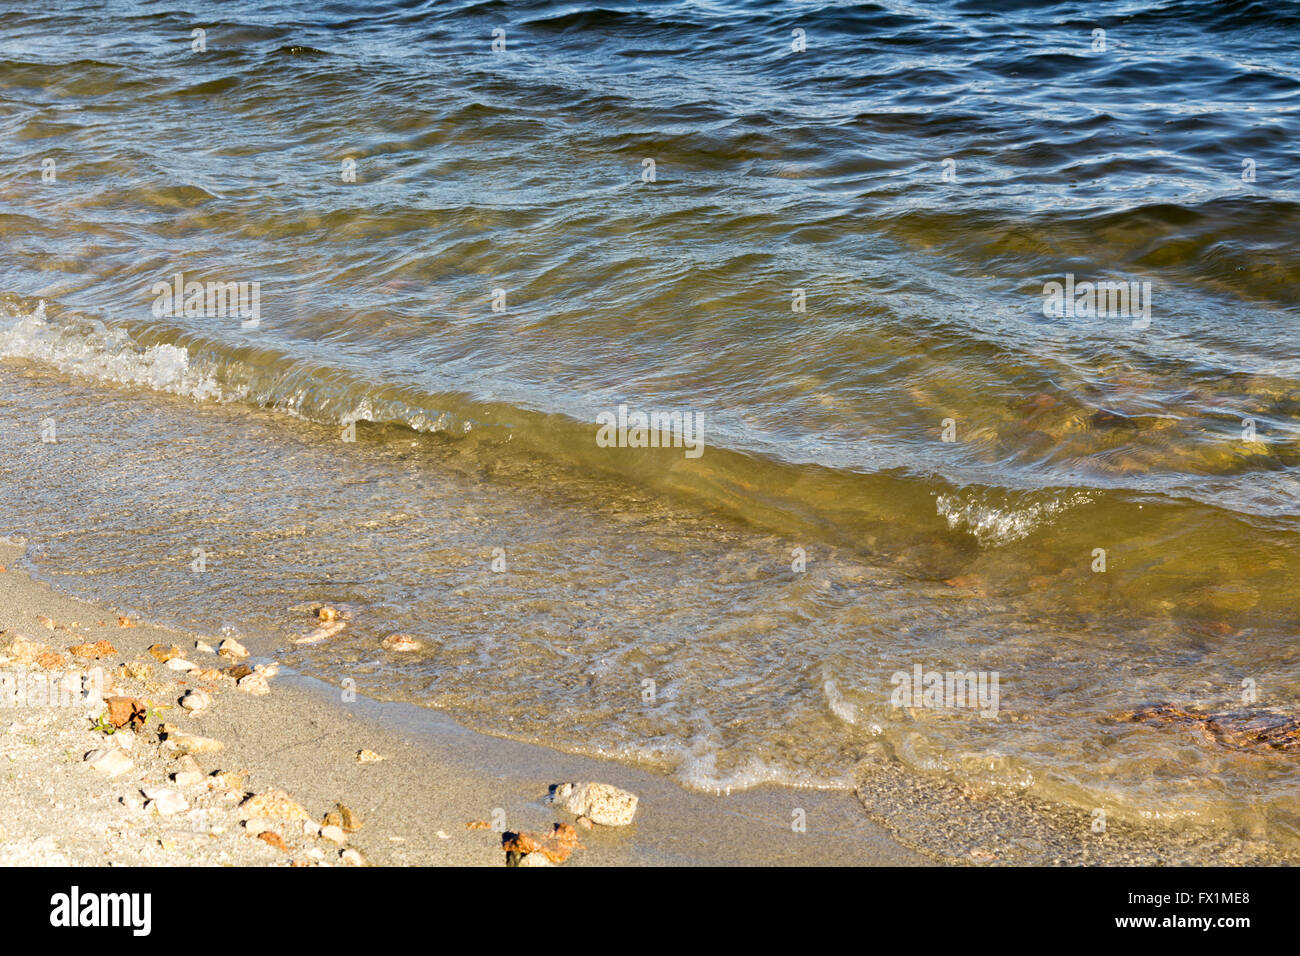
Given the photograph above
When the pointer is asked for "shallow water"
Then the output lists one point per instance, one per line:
(1170, 447)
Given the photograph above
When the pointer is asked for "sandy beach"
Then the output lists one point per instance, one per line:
(435, 777)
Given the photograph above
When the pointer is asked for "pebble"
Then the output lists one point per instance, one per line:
(164, 654)
(179, 743)
(555, 848)
(345, 817)
(273, 804)
(204, 646)
(112, 763)
(181, 664)
(267, 670)
(229, 780)
(257, 826)
(401, 643)
(271, 838)
(187, 778)
(368, 756)
(93, 651)
(232, 649)
(600, 802)
(352, 858)
(334, 833)
(196, 700)
(254, 684)
(165, 802)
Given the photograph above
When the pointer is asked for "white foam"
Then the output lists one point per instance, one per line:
(994, 525)
(91, 349)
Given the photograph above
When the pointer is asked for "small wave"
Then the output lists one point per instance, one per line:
(90, 349)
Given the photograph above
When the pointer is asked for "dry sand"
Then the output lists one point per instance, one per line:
(301, 738)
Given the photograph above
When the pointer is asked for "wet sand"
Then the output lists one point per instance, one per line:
(301, 738)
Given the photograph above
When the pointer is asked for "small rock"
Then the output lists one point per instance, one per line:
(351, 822)
(126, 712)
(238, 672)
(328, 614)
(181, 665)
(45, 621)
(165, 802)
(51, 660)
(180, 743)
(134, 670)
(555, 848)
(352, 858)
(229, 779)
(256, 826)
(232, 649)
(125, 622)
(310, 828)
(601, 803)
(275, 805)
(204, 646)
(274, 839)
(478, 825)
(267, 670)
(112, 763)
(401, 643)
(368, 756)
(254, 684)
(334, 833)
(186, 763)
(585, 823)
(163, 654)
(196, 700)
(530, 859)
(93, 651)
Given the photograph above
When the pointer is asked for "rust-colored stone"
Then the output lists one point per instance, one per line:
(271, 838)
(51, 660)
(93, 651)
(557, 847)
(127, 712)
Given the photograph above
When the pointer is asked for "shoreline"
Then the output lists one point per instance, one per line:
(436, 776)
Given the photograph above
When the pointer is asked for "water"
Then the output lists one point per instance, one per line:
(731, 619)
